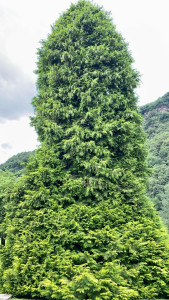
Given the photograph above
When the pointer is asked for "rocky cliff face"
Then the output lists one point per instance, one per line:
(160, 105)
(163, 108)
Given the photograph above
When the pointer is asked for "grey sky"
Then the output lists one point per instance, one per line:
(16, 91)
(6, 146)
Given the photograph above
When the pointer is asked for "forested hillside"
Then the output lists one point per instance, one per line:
(156, 126)
(16, 163)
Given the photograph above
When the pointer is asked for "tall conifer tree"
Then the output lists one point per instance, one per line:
(81, 226)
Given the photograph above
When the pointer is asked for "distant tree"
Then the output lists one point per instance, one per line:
(81, 226)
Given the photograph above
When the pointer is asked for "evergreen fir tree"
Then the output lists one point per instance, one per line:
(81, 226)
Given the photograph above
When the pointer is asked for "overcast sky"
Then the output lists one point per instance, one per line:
(143, 23)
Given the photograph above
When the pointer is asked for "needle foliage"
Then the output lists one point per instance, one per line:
(80, 226)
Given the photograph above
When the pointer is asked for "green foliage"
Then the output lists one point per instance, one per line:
(16, 163)
(7, 181)
(81, 226)
(156, 124)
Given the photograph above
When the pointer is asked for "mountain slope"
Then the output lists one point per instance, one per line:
(16, 163)
(156, 126)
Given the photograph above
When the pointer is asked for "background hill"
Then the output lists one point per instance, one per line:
(156, 126)
(16, 163)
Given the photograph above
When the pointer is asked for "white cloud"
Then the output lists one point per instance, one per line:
(22, 138)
